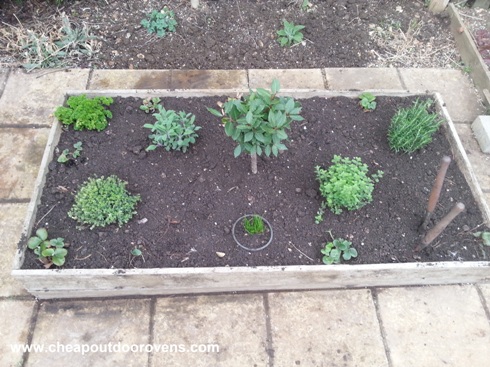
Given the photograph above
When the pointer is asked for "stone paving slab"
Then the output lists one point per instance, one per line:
(289, 79)
(485, 289)
(21, 153)
(3, 79)
(16, 317)
(435, 326)
(480, 161)
(326, 328)
(11, 222)
(30, 98)
(456, 88)
(236, 323)
(363, 78)
(168, 79)
(120, 322)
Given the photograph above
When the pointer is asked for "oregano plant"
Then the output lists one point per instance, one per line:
(258, 121)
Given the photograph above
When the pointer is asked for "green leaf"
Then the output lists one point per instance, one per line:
(249, 117)
(248, 136)
(215, 112)
(34, 242)
(237, 151)
(275, 86)
(48, 252)
(58, 261)
(229, 128)
(42, 233)
(485, 236)
(136, 252)
(275, 151)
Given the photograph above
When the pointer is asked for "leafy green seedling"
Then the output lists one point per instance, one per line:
(485, 237)
(85, 113)
(136, 252)
(254, 225)
(66, 155)
(337, 248)
(367, 101)
(160, 22)
(49, 252)
(150, 104)
(290, 34)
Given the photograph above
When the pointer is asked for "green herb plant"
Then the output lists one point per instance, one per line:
(337, 248)
(254, 225)
(103, 201)
(49, 252)
(150, 104)
(160, 22)
(258, 121)
(85, 113)
(66, 155)
(172, 130)
(346, 184)
(367, 101)
(412, 128)
(484, 236)
(290, 34)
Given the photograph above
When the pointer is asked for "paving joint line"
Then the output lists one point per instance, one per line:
(268, 327)
(14, 201)
(151, 336)
(486, 191)
(9, 71)
(17, 298)
(30, 332)
(402, 82)
(24, 126)
(89, 79)
(483, 302)
(374, 297)
(247, 74)
(324, 76)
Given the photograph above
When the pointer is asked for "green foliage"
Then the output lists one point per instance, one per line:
(136, 252)
(150, 104)
(254, 225)
(367, 101)
(290, 34)
(319, 214)
(66, 155)
(412, 128)
(174, 131)
(485, 236)
(160, 22)
(339, 247)
(103, 201)
(85, 113)
(346, 184)
(259, 120)
(49, 252)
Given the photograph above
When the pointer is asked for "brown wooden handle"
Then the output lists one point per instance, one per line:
(436, 189)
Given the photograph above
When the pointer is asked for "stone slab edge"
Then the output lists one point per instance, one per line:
(469, 53)
(77, 283)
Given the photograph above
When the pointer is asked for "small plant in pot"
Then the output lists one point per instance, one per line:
(252, 232)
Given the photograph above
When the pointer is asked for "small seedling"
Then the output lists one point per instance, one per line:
(367, 101)
(66, 155)
(160, 22)
(337, 248)
(150, 105)
(319, 214)
(172, 130)
(85, 113)
(485, 237)
(290, 34)
(49, 252)
(254, 225)
(136, 252)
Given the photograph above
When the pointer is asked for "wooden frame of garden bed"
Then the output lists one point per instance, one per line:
(75, 283)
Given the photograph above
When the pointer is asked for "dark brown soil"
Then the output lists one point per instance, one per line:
(190, 201)
(232, 34)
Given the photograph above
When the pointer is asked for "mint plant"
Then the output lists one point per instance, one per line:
(103, 201)
(49, 252)
(254, 225)
(258, 122)
(345, 184)
(172, 130)
(150, 104)
(160, 22)
(337, 248)
(85, 113)
(290, 34)
(367, 101)
(412, 128)
(66, 155)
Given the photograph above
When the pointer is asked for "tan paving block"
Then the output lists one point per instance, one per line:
(168, 79)
(288, 78)
(30, 98)
(326, 328)
(3, 79)
(435, 326)
(11, 221)
(21, 153)
(122, 323)
(16, 316)
(480, 162)
(362, 78)
(236, 323)
(457, 90)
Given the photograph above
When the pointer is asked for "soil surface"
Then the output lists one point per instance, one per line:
(478, 22)
(190, 201)
(242, 34)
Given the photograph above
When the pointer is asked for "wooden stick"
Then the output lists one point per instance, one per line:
(439, 227)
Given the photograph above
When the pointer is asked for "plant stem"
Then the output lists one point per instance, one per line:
(253, 157)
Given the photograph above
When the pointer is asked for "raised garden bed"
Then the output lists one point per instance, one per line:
(190, 201)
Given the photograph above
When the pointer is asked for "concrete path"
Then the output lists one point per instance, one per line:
(392, 327)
